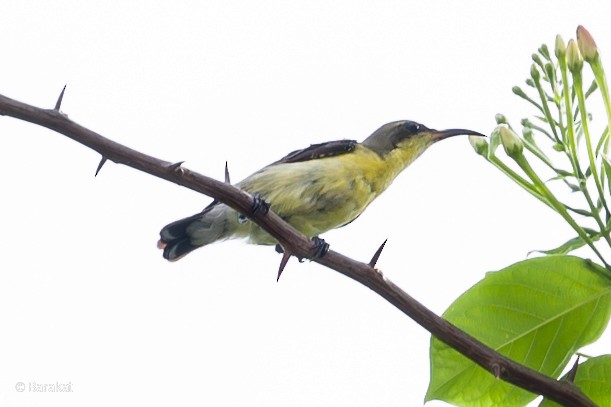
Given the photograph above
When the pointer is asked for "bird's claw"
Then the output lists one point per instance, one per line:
(320, 246)
(320, 249)
(259, 205)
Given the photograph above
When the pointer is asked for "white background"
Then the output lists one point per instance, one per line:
(85, 296)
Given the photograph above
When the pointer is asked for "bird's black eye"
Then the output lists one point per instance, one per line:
(411, 127)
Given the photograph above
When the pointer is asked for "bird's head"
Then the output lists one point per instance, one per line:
(408, 138)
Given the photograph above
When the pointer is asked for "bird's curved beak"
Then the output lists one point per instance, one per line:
(437, 135)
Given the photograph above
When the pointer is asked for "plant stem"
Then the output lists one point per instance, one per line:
(570, 129)
(530, 188)
(546, 110)
(577, 84)
(558, 206)
(601, 81)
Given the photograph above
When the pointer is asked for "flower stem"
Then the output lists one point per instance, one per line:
(578, 85)
(558, 207)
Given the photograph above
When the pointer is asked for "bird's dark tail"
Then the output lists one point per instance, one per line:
(181, 237)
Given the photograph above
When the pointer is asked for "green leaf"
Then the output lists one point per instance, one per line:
(573, 187)
(591, 89)
(594, 379)
(607, 167)
(581, 212)
(537, 312)
(564, 173)
(558, 147)
(572, 244)
(602, 140)
(594, 235)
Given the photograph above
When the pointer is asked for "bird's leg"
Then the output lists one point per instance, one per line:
(259, 205)
(320, 249)
(279, 249)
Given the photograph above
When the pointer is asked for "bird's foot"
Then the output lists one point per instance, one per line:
(259, 205)
(320, 249)
(320, 246)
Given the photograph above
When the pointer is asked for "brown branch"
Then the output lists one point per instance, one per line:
(295, 243)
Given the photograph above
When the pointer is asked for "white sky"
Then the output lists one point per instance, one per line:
(85, 296)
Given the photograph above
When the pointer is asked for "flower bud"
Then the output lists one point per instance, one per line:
(479, 144)
(573, 58)
(560, 47)
(534, 72)
(543, 50)
(537, 59)
(528, 135)
(518, 91)
(512, 144)
(550, 72)
(500, 118)
(586, 43)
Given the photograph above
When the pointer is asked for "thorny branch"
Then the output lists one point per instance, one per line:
(296, 244)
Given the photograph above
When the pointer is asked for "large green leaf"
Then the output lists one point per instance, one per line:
(594, 379)
(537, 312)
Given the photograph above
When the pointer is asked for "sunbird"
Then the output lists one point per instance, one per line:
(316, 189)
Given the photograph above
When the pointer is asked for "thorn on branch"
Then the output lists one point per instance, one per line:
(100, 165)
(227, 180)
(570, 376)
(285, 259)
(496, 370)
(377, 254)
(59, 99)
(176, 166)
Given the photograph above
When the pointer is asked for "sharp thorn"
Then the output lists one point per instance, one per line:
(285, 259)
(227, 180)
(571, 374)
(100, 165)
(496, 371)
(176, 166)
(214, 202)
(377, 254)
(59, 99)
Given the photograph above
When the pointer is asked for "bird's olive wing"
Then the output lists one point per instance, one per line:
(321, 150)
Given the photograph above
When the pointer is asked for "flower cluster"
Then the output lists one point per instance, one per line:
(561, 139)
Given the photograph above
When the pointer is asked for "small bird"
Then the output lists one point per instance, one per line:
(319, 188)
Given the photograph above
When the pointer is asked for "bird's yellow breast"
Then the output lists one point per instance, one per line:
(317, 195)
